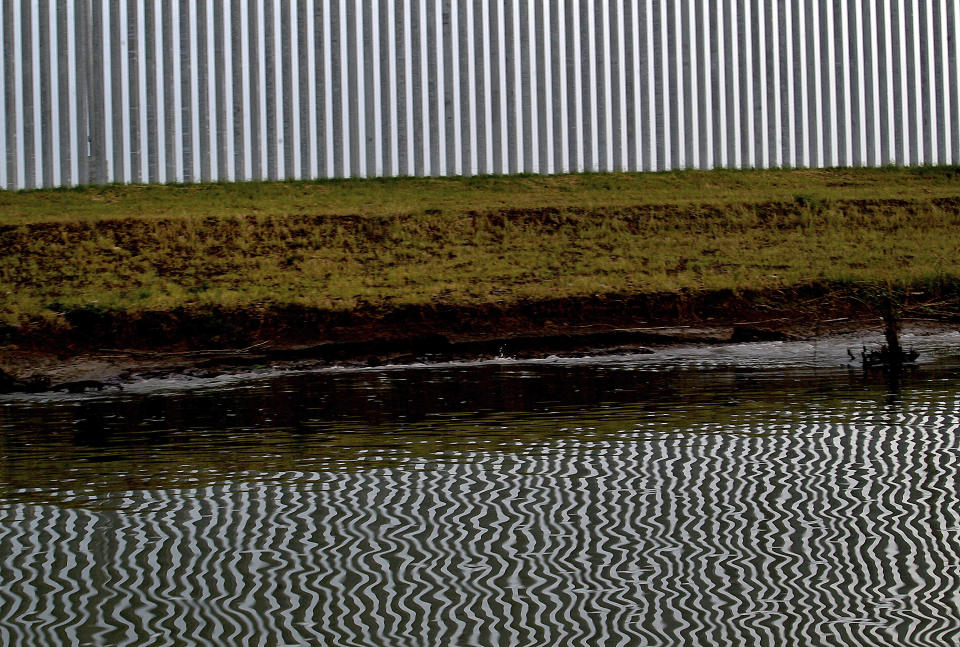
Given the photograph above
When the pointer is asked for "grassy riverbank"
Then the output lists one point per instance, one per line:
(221, 254)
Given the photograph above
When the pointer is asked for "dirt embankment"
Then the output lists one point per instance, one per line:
(102, 350)
(106, 284)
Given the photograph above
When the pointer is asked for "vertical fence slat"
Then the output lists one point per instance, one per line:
(392, 88)
(955, 80)
(505, 92)
(376, 101)
(887, 143)
(204, 43)
(192, 96)
(471, 88)
(140, 152)
(292, 105)
(916, 68)
(943, 89)
(954, 9)
(105, 110)
(706, 113)
(871, 31)
(750, 78)
(309, 22)
(847, 123)
(791, 143)
(326, 21)
(693, 65)
(84, 91)
(604, 63)
(242, 77)
(422, 72)
(678, 91)
(482, 87)
(549, 98)
(635, 81)
(573, 134)
(454, 65)
(932, 135)
(285, 118)
(665, 131)
(804, 80)
(439, 88)
(156, 93)
(148, 144)
(173, 100)
(4, 122)
(222, 137)
(512, 92)
(263, 150)
(594, 86)
(121, 85)
(45, 75)
(623, 86)
(529, 43)
(17, 80)
(274, 72)
(344, 89)
(34, 122)
(59, 144)
(903, 109)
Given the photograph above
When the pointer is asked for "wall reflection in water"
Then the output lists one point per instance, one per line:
(492, 505)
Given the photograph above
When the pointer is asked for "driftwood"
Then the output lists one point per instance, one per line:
(891, 355)
(33, 384)
(885, 357)
(43, 384)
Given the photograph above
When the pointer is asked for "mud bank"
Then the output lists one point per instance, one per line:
(105, 350)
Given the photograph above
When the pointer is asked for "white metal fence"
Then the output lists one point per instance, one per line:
(99, 91)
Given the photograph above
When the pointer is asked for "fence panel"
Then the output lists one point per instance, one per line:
(98, 91)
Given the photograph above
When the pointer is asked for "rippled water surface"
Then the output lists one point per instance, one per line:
(755, 495)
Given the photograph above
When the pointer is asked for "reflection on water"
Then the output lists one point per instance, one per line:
(611, 502)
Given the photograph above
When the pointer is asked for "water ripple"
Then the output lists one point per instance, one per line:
(790, 520)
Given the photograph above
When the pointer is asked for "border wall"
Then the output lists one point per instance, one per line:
(99, 91)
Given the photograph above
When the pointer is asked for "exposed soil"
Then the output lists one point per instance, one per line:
(102, 350)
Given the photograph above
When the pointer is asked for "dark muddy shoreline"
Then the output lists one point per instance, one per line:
(104, 350)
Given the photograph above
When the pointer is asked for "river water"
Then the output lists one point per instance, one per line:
(765, 494)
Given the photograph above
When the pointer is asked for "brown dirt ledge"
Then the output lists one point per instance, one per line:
(110, 348)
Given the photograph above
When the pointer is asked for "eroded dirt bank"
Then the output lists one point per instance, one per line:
(104, 350)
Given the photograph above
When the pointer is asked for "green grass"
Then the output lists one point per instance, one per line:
(378, 197)
(338, 245)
